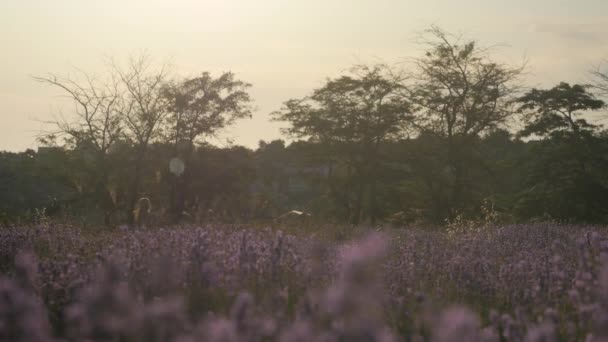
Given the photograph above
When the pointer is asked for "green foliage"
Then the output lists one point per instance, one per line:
(556, 111)
(354, 117)
(32, 183)
(565, 171)
(201, 106)
(433, 147)
(198, 108)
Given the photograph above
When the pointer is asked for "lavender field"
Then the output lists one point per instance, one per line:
(539, 282)
(320, 170)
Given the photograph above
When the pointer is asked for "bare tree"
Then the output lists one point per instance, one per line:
(148, 108)
(96, 124)
(460, 94)
(600, 80)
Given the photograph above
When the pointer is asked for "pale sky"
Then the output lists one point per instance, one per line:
(284, 48)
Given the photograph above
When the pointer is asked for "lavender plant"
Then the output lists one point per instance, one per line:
(538, 282)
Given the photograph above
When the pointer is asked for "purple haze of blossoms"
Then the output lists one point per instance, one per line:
(541, 282)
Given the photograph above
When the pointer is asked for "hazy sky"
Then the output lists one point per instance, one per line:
(284, 48)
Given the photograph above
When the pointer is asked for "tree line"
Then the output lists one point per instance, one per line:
(432, 141)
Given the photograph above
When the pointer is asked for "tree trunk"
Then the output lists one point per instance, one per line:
(373, 209)
(181, 184)
(107, 202)
(134, 191)
(455, 200)
(356, 218)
